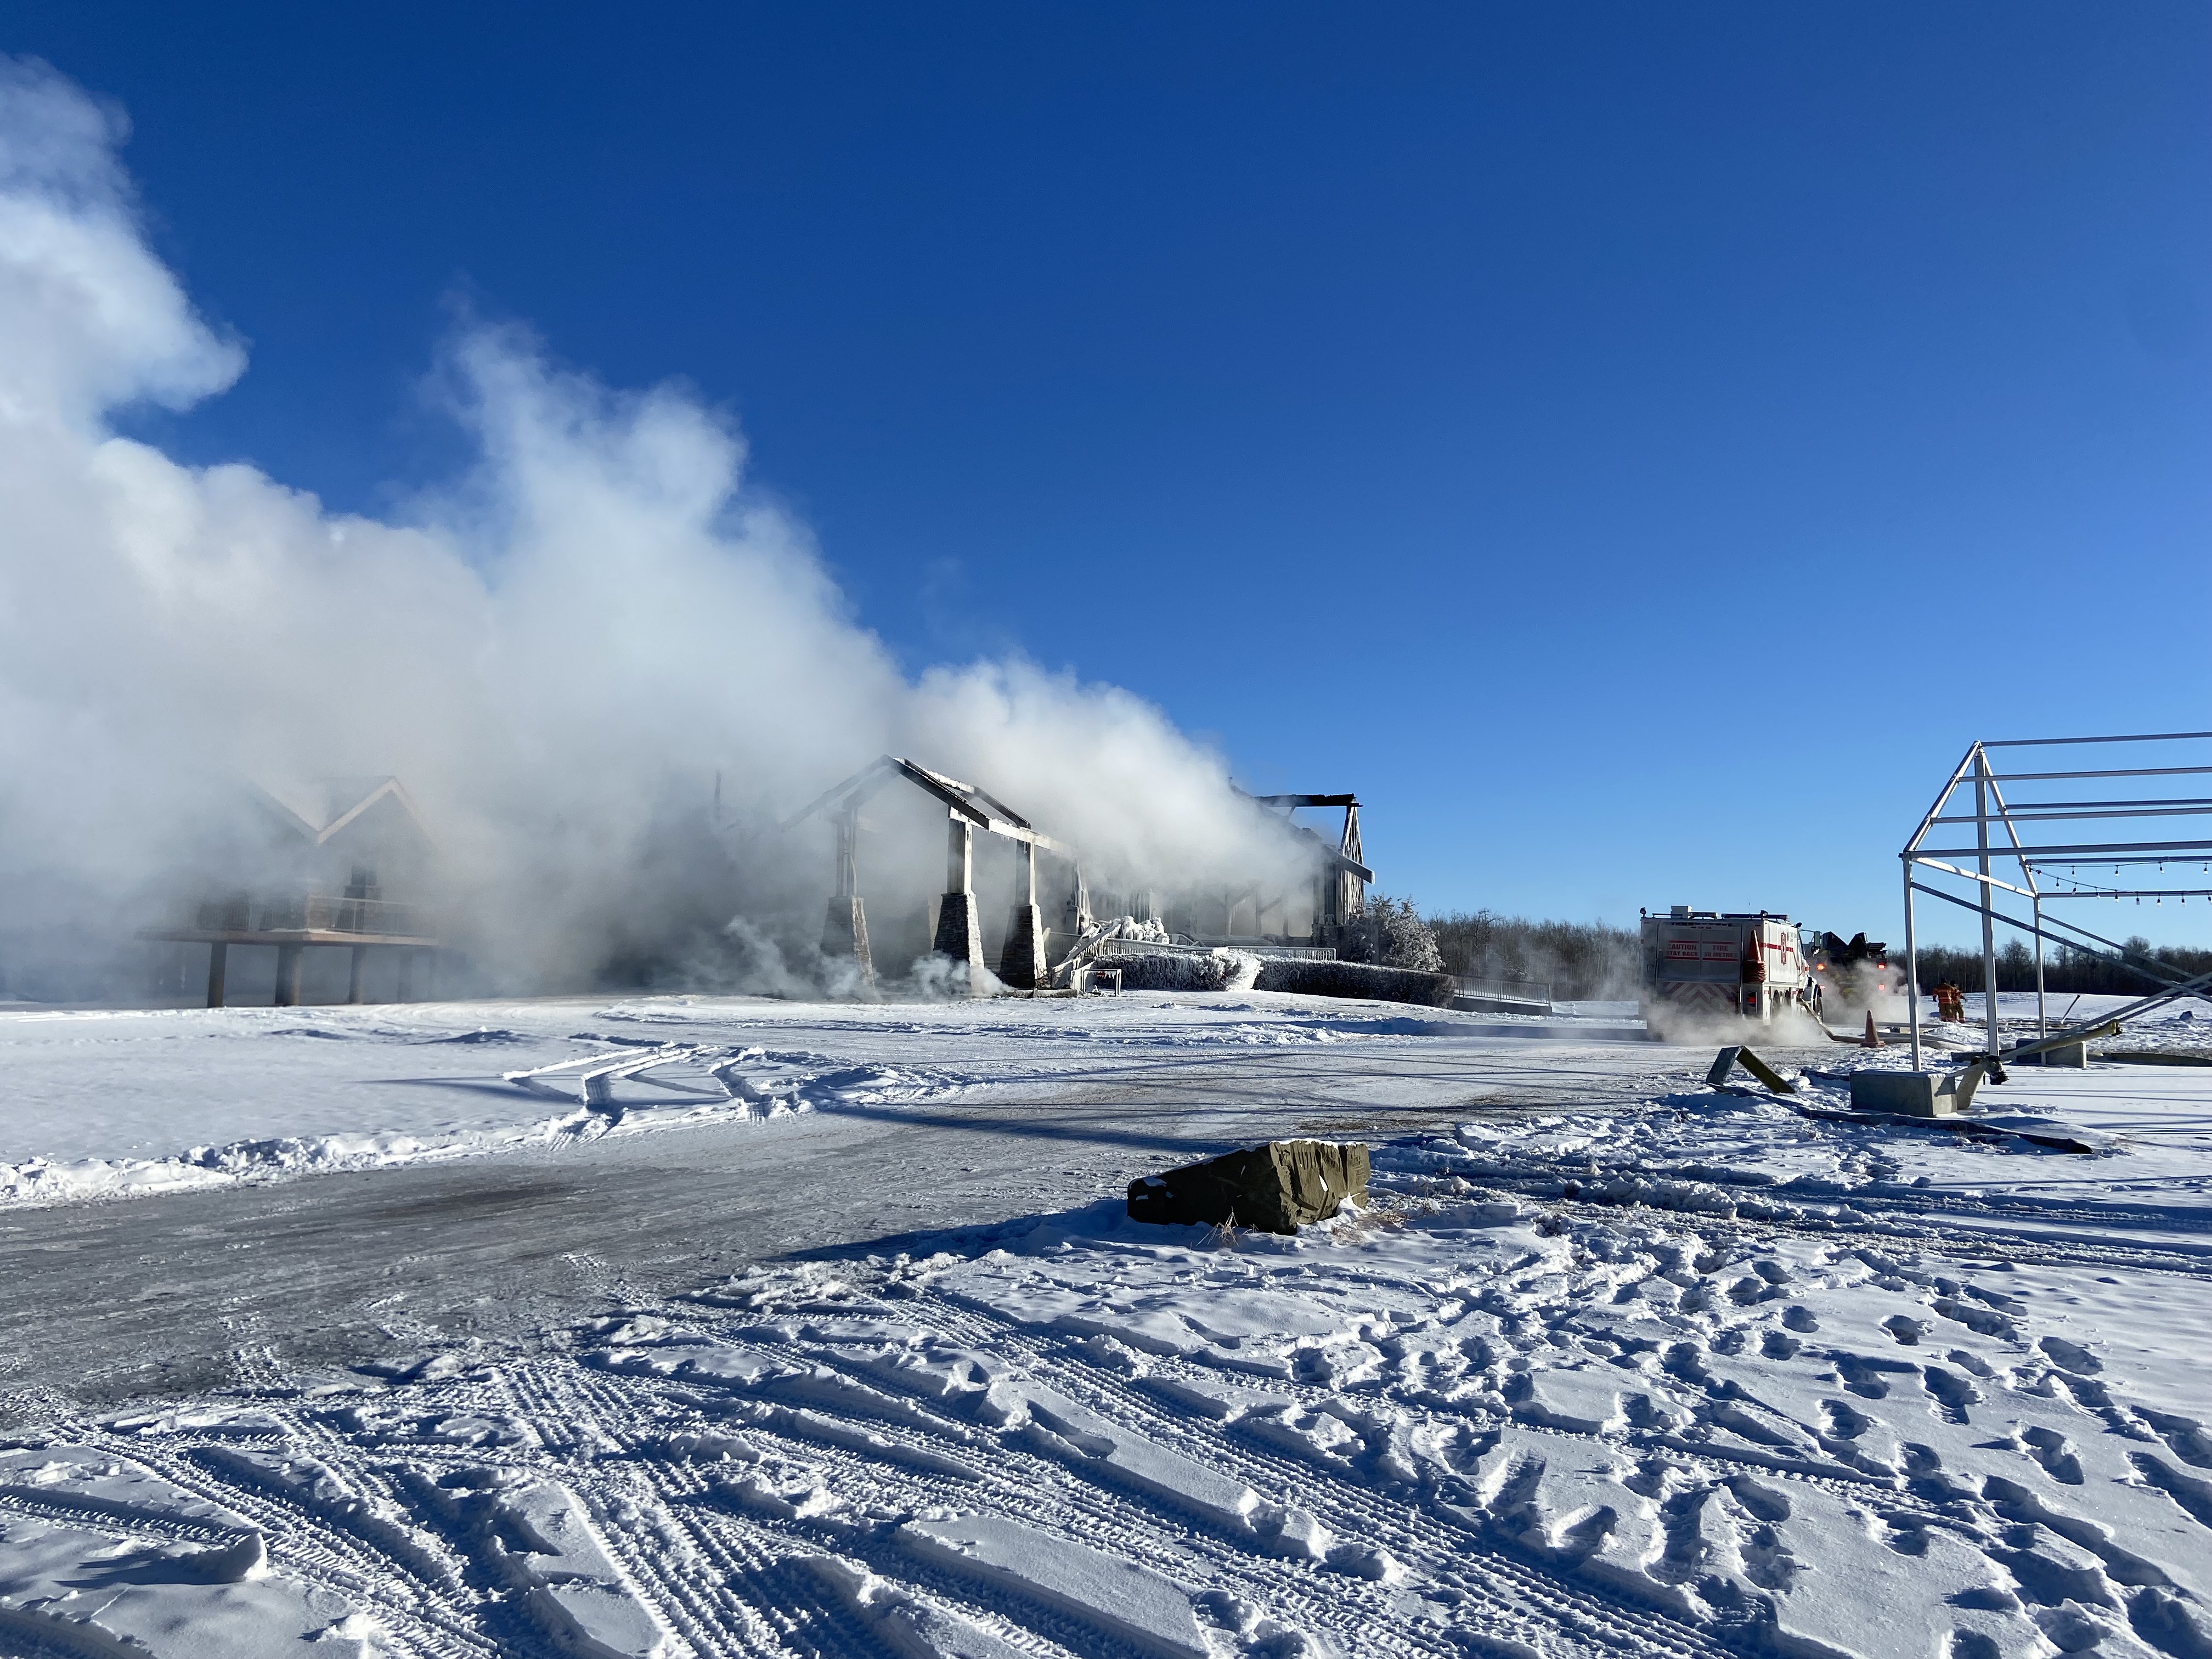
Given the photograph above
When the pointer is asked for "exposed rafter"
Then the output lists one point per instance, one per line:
(1346, 855)
(979, 806)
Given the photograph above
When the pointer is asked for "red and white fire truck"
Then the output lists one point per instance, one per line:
(1705, 967)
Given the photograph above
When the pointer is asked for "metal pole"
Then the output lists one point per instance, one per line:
(2042, 1026)
(218, 954)
(1912, 970)
(1989, 922)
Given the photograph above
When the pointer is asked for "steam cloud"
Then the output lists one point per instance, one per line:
(558, 652)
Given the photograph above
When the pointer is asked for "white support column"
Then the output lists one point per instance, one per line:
(1912, 970)
(2042, 1025)
(1988, 921)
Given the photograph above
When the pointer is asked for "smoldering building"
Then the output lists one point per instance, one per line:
(1014, 899)
(325, 896)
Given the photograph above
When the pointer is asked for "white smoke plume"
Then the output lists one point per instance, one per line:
(558, 652)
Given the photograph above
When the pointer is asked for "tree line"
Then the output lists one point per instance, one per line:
(2065, 969)
(1593, 960)
(1583, 961)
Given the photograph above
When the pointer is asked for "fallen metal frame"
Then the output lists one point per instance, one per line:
(2038, 868)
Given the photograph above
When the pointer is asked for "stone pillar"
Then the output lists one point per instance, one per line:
(1023, 963)
(845, 928)
(218, 960)
(959, 929)
(287, 974)
(360, 971)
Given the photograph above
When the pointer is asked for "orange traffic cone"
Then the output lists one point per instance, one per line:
(1872, 1038)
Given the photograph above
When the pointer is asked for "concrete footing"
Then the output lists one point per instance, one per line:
(845, 934)
(2075, 1055)
(1023, 963)
(960, 935)
(1915, 1094)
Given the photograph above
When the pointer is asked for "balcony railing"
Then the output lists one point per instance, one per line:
(312, 911)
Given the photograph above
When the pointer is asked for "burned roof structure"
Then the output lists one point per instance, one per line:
(959, 935)
(956, 933)
(1342, 885)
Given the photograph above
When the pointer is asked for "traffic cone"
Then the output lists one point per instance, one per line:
(1872, 1038)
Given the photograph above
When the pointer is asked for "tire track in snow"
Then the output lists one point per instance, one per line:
(1006, 1481)
(1356, 1511)
(299, 1541)
(1350, 1512)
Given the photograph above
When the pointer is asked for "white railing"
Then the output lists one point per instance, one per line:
(1506, 990)
(312, 911)
(1139, 947)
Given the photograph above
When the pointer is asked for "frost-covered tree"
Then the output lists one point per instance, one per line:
(1390, 932)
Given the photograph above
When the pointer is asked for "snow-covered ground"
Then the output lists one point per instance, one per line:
(2185, 1025)
(1612, 1361)
(106, 1103)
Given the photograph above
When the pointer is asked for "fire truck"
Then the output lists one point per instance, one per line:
(1705, 967)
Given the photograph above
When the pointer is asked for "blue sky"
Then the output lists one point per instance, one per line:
(1635, 447)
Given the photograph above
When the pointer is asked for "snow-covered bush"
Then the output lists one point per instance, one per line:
(1185, 970)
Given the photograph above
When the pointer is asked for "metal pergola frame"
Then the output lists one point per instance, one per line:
(2040, 881)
